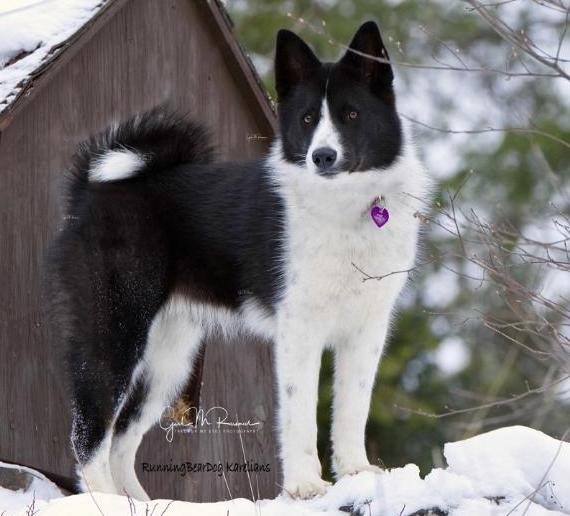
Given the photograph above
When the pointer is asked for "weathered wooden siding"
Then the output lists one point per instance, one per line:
(147, 53)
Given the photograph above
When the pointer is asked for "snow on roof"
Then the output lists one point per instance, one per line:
(30, 31)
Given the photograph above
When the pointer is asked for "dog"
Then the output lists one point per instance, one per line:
(145, 266)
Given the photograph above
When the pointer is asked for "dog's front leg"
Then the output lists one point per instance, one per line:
(356, 362)
(298, 360)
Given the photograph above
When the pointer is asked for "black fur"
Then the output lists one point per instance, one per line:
(132, 408)
(209, 231)
(162, 136)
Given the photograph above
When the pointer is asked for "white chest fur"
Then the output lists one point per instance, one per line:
(332, 243)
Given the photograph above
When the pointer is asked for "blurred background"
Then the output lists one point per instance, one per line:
(481, 337)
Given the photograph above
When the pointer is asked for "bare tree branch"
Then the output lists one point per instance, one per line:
(518, 130)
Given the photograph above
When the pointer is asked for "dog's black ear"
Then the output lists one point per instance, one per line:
(368, 42)
(294, 62)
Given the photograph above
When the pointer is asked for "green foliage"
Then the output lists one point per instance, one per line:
(513, 178)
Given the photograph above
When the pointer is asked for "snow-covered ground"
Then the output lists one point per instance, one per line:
(40, 488)
(29, 29)
(509, 471)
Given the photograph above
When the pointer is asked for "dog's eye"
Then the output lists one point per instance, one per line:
(308, 119)
(352, 115)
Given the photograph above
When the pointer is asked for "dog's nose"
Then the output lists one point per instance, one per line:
(324, 158)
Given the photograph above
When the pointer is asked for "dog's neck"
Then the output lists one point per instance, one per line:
(347, 198)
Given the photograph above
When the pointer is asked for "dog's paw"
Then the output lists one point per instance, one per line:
(304, 488)
(345, 469)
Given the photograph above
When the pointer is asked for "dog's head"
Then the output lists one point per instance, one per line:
(337, 117)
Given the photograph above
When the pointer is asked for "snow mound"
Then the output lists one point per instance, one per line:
(40, 489)
(513, 461)
(515, 470)
(29, 30)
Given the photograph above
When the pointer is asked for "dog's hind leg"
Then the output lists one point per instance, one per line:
(104, 332)
(173, 344)
(96, 401)
(91, 439)
(101, 373)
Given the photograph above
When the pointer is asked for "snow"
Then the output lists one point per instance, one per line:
(41, 489)
(451, 356)
(514, 470)
(35, 27)
(516, 460)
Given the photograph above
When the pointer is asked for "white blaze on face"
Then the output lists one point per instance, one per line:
(325, 135)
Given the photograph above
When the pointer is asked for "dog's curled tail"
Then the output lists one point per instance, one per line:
(147, 143)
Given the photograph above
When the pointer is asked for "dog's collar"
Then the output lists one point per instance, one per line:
(378, 211)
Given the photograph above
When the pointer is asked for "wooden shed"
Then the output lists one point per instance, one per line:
(129, 56)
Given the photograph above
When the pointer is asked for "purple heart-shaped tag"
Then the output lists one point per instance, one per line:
(379, 215)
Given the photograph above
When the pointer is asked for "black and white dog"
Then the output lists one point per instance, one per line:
(149, 263)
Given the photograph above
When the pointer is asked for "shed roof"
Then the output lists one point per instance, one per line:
(39, 36)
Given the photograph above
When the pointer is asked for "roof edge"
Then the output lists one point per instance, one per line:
(67, 49)
(59, 56)
(222, 23)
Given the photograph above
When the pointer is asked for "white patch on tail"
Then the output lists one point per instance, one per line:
(115, 165)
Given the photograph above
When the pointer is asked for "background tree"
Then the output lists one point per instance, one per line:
(481, 339)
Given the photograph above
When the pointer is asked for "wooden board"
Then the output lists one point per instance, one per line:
(147, 53)
(234, 389)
